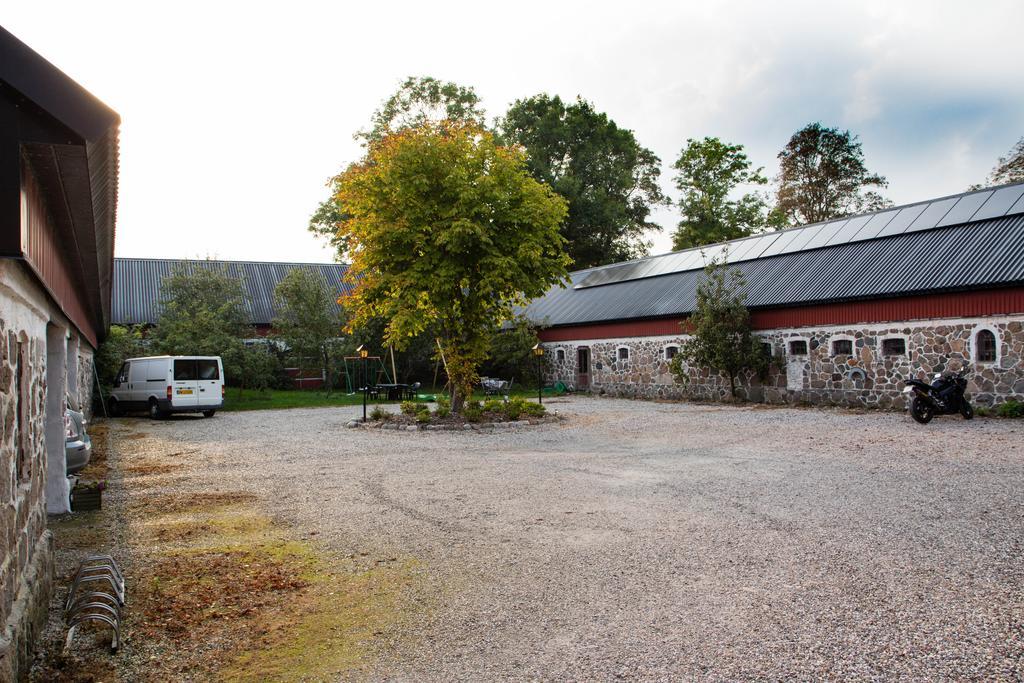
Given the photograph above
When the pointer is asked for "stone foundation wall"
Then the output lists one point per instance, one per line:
(865, 377)
(32, 329)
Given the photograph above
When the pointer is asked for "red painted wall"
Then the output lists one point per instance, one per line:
(46, 255)
(956, 305)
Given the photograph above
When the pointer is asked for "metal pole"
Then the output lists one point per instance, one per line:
(366, 384)
(540, 382)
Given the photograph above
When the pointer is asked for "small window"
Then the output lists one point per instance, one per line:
(894, 347)
(986, 344)
(122, 375)
(842, 347)
(766, 349)
(560, 355)
(208, 369)
(623, 353)
(798, 347)
(671, 352)
(184, 370)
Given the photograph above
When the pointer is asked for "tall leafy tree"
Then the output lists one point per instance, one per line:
(418, 101)
(709, 173)
(608, 178)
(1008, 169)
(203, 313)
(448, 232)
(822, 175)
(721, 338)
(309, 321)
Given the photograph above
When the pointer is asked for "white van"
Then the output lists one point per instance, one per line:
(169, 384)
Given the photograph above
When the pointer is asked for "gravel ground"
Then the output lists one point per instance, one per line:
(656, 541)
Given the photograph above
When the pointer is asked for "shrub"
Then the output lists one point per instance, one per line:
(442, 411)
(411, 407)
(515, 408)
(423, 416)
(473, 404)
(535, 409)
(1011, 408)
(494, 405)
(378, 413)
(473, 413)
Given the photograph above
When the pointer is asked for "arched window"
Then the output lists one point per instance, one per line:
(623, 353)
(560, 355)
(670, 352)
(798, 347)
(985, 343)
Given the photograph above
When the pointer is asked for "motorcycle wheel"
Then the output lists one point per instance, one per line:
(966, 410)
(921, 410)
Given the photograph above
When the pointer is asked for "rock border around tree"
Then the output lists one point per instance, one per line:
(387, 425)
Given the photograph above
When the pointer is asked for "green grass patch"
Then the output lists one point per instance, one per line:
(280, 399)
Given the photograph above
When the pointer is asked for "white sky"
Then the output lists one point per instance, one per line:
(236, 113)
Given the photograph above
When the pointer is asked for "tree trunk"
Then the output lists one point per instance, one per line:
(732, 385)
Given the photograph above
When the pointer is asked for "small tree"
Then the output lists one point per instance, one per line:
(721, 337)
(309, 321)
(510, 355)
(202, 313)
(448, 232)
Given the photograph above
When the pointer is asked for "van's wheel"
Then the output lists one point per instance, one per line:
(113, 407)
(154, 410)
(921, 410)
(966, 410)
(209, 413)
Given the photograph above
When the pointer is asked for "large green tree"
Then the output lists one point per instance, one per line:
(202, 313)
(448, 231)
(309, 321)
(608, 178)
(721, 338)
(709, 172)
(1008, 169)
(418, 101)
(822, 175)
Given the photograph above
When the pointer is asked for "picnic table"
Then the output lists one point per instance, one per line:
(493, 386)
(393, 392)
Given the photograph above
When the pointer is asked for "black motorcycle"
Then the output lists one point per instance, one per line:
(944, 396)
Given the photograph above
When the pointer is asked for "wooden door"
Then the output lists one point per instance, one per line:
(583, 368)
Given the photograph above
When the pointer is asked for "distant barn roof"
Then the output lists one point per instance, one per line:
(962, 242)
(138, 283)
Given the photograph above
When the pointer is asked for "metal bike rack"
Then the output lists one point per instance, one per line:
(97, 594)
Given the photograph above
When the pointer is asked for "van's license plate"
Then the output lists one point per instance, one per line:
(184, 391)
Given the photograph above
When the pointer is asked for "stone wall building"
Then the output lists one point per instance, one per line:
(848, 309)
(58, 190)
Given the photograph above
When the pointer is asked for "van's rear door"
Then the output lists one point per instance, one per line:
(209, 381)
(186, 384)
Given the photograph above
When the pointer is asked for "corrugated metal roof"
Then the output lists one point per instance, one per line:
(138, 283)
(941, 212)
(986, 253)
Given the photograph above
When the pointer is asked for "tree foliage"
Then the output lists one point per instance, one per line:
(309, 322)
(120, 344)
(448, 231)
(510, 356)
(421, 101)
(709, 173)
(822, 175)
(609, 180)
(417, 102)
(721, 337)
(203, 313)
(1008, 169)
